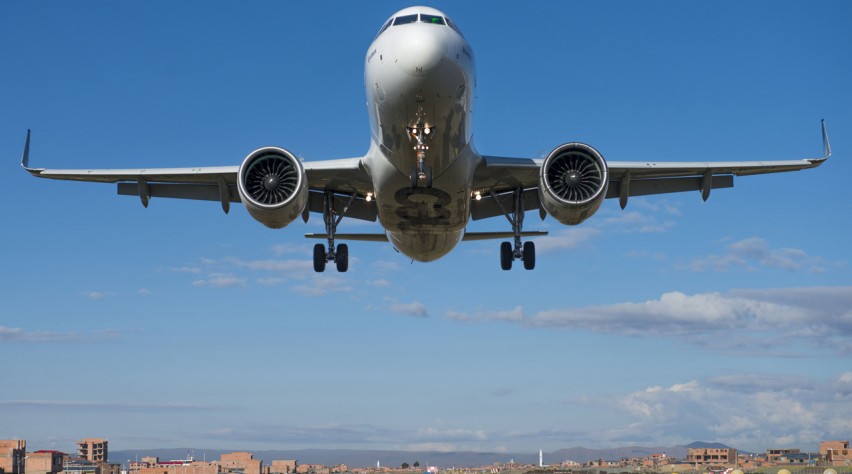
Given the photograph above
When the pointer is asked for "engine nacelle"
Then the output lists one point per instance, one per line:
(573, 182)
(273, 186)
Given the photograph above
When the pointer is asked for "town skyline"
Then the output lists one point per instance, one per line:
(393, 458)
(93, 456)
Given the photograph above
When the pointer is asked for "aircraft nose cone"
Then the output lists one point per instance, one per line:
(421, 50)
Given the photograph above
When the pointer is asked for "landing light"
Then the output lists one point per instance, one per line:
(477, 195)
(369, 197)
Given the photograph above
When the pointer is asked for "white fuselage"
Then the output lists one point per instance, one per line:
(421, 71)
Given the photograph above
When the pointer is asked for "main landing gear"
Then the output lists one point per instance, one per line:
(338, 254)
(524, 252)
(421, 131)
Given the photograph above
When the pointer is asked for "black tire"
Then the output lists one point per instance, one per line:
(428, 170)
(342, 257)
(529, 255)
(506, 256)
(414, 177)
(319, 258)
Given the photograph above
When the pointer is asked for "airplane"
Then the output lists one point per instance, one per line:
(422, 177)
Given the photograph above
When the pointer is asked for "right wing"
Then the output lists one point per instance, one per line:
(342, 177)
(496, 177)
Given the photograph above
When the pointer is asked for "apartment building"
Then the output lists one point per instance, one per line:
(774, 455)
(836, 453)
(44, 462)
(282, 466)
(240, 463)
(711, 456)
(93, 449)
(12, 454)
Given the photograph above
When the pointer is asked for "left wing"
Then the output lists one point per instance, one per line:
(497, 176)
(343, 177)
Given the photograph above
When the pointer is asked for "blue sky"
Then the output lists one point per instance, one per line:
(669, 322)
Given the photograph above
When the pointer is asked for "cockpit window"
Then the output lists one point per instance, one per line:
(433, 19)
(403, 20)
(384, 27)
(453, 26)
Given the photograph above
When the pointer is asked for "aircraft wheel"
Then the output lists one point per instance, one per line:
(319, 258)
(428, 171)
(506, 256)
(529, 255)
(342, 257)
(414, 177)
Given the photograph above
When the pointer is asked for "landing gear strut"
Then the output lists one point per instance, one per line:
(524, 252)
(338, 254)
(421, 131)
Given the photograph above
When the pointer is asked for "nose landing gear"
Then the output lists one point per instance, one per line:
(421, 132)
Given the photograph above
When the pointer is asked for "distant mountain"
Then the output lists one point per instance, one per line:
(582, 455)
(703, 445)
(365, 458)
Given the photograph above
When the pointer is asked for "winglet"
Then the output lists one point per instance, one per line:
(826, 147)
(25, 159)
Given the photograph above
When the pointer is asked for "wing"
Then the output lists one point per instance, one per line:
(342, 177)
(496, 177)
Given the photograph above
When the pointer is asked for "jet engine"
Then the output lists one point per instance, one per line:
(573, 183)
(273, 186)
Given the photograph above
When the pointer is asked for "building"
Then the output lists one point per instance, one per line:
(775, 455)
(80, 466)
(240, 463)
(177, 467)
(44, 462)
(282, 466)
(93, 449)
(12, 455)
(836, 453)
(711, 456)
(799, 458)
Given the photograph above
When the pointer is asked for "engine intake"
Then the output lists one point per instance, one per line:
(273, 186)
(573, 182)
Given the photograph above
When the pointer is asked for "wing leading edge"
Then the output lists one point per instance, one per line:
(217, 183)
(500, 175)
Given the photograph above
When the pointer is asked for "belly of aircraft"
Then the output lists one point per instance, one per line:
(425, 223)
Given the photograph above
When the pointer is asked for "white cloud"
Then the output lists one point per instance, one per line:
(750, 320)
(439, 439)
(97, 295)
(72, 405)
(271, 281)
(565, 239)
(415, 308)
(754, 412)
(272, 265)
(220, 280)
(753, 253)
(513, 315)
(635, 221)
(281, 249)
(645, 220)
(322, 284)
(8, 334)
(745, 410)
(385, 265)
(184, 269)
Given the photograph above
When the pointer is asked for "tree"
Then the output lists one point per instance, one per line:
(416, 464)
(405, 465)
